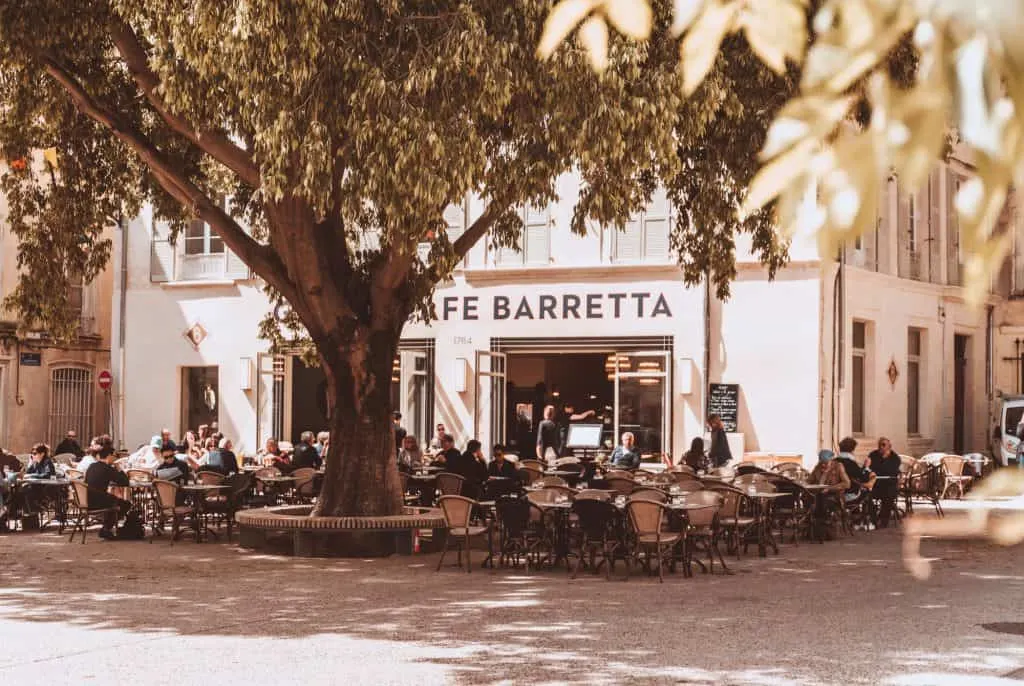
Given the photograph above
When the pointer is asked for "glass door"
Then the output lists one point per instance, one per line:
(490, 402)
(642, 400)
(414, 393)
(269, 399)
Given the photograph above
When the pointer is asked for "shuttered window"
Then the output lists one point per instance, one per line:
(161, 257)
(71, 406)
(954, 253)
(200, 254)
(645, 237)
(934, 248)
(534, 242)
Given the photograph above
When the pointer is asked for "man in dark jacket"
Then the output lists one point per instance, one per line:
(719, 454)
(501, 467)
(70, 445)
(99, 478)
(885, 463)
(305, 454)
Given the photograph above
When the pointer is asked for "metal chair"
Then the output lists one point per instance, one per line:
(599, 533)
(165, 498)
(85, 514)
(645, 520)
(620, 485)
(449, 484)
(457, 513)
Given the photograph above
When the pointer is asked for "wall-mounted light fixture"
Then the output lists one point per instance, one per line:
(245, 373)
(460, 374)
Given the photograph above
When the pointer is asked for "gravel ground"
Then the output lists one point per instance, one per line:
(840, 613)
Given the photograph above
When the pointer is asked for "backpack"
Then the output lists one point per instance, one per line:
(133, 528)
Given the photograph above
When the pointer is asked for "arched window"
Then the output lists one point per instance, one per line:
(71, 403)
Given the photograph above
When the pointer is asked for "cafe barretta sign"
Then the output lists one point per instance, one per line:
(542, 306)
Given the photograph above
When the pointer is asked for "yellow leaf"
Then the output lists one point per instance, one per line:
(50, 155)
(700, 47)
(563, 19)
(593, 37)
(684, 12)
(812, 116)
(765, 43)
(776, 30)
(772, 178)
(631, 17)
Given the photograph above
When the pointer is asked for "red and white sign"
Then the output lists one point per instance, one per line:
(105, 380)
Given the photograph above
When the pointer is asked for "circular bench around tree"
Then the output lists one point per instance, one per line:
(336, 536)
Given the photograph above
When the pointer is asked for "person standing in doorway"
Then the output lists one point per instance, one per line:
(719, 454)
(400, 432)
(547, 434)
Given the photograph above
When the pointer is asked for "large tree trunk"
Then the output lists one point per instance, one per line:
(362, 468)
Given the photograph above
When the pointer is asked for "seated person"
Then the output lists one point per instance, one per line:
(829, 472)
(222, 460)
(626, 455)
(885, 462)
(70, 446)
(695, 457)
(41, 466)
(449, 457)
(860, 478)
(147, 457)
(472, 467)
(501, 467)
(100, 477)
(305, 455)
(172, 467)
(410, 457)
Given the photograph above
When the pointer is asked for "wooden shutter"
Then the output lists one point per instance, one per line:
(953, 257)
(657, 220)
(629, 241)
(536, 240)
(903, 229)
(161, 255)
(882, 230)
(935, 225)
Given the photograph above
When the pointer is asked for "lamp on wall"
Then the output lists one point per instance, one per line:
(460, 372)
(245, 373)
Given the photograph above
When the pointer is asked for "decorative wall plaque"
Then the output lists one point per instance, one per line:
(196, 334)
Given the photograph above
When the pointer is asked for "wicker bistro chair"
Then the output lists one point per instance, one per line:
(735, 517)
(925, 482)
(140, 475)
(655, 494)
(209, 478)
(302, 490)
(688, 486)
(225, 506)
(592, 494)
(955, 477)
(66, 459)
(703, 528)
(649, 538)
(552, 481)
(74, 474)
(620, 485)
(532, 463)
(449, 484)
(784, 467)
(683, 469)
(520, 531)
(529, 473)
(618, 474)
(83, 513)
(165, 498)
(599, 533)
(457, 513)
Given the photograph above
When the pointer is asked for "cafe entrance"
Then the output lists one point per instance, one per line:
(623, 384)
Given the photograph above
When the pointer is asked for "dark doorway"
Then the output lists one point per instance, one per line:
(960, 350)
(309, 399)
(200, 397)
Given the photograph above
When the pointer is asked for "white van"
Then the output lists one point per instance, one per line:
(1010, 415)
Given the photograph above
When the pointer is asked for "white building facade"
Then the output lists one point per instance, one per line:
(604, 323)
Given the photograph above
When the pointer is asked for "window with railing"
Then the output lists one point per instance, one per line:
(197, 254)
(71, 402)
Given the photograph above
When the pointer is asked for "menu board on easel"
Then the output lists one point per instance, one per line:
(724, 400)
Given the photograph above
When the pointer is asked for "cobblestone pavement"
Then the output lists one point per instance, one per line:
(840, 613)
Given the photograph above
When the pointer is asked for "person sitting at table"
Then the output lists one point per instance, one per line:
(41, 466)
(172, 467)
(148, 456)
(70, 445)
(221, 460)
(437, 442)
(499, 466)
(449, 456)
(100, 477)
(861, 479)
(410, 457)
(305, 455)
(323, 439)
(471, 466)
(625, 456)
(695, 457)
(885, 462)
(10, 467)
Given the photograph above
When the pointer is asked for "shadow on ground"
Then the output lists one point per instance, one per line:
(792, 619)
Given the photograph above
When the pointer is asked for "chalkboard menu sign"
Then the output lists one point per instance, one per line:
(724, 400)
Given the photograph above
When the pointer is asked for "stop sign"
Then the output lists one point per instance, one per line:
(104, 380)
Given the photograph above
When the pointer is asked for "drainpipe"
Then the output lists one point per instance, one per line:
(706, 372)
(119, 350)
(838, 340)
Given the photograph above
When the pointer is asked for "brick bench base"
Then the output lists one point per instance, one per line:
(291, 527)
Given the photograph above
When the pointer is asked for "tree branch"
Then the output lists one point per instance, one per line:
(259, 257)
(213, 143)
(464, 243)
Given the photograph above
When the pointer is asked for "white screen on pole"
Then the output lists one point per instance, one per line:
(584, 436)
